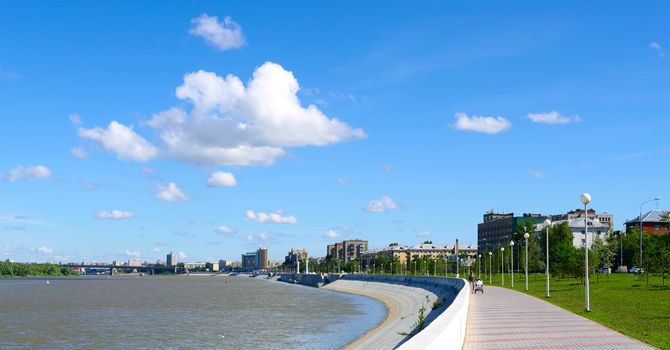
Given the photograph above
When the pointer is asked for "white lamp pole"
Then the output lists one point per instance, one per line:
(479, 265)
(490, 267)
(547, 223)
(526, 235)
(457, 263)
(511, 259)
(586, 199)
(502, 264)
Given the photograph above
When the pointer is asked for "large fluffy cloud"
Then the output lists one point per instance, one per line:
(224, 35)
(234, 125)
(276, 217)
(228, 123)
(487, 125)
(122, 141)
(20, 172)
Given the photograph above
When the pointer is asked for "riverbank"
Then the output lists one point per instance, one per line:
(402, 303)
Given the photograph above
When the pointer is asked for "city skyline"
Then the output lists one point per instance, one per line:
(214, 129)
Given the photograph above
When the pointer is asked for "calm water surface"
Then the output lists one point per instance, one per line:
(180, 312)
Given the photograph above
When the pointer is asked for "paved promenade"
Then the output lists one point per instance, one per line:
(505, 319)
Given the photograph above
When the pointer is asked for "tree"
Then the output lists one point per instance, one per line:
(604, 252)
(562, 254)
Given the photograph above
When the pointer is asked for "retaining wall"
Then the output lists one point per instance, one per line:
(446, 331)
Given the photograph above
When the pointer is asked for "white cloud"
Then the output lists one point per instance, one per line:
(155, 250)
(115, 214)
(276, 217)
(423, 234)
(342, 181)
(332, 234)
(170, 192)
(78, 152)
(380, 205)
(122, 141)
(132, 254)
(182, 255)
(553, 118)
(75, 119)
(221, 179)
(45, 250)
(234, 125)
(536, 173)
(19, 172)
(225, 230)
(387, 168)
(656, 46)
(224, 35)
(488, 125)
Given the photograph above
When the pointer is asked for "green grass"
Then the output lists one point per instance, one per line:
(622, 302)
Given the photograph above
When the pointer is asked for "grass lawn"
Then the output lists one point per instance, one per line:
(622, 302)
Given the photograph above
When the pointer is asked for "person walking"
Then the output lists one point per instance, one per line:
(471, 277)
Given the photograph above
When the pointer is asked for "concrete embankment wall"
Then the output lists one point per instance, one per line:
(308, 280)
(446, 331)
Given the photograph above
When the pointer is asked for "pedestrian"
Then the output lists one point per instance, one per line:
(471, 277)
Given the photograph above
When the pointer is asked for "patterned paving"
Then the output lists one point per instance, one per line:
(505, 319)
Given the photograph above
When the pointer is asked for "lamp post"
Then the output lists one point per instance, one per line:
(457, 266)
(526, 235)
(490, 267)
(479, 266)
(547, 223)
(502, 264)
(511, 259)
(641, 228)
(586, 199)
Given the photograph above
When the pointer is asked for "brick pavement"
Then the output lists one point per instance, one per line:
(506, 319)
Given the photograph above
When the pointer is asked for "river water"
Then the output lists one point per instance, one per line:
(178, 312)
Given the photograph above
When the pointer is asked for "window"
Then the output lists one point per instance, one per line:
(658, 227)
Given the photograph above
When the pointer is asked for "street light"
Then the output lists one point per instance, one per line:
(479, 266)
(457, 266)
(502, 264)
(641, 228)
(547, 223)
(586, 199)
(511, 258)
(526, 235)
(490, 267)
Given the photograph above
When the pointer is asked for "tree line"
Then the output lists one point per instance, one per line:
(13, 269)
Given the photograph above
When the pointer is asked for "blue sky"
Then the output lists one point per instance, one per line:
(213, 128)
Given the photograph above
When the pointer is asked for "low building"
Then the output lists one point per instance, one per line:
(225, 265)
(135, 262)
(653, 222)
(214, 266)
(596, 230)
(605, 218)
(195, 265)
(405, 254)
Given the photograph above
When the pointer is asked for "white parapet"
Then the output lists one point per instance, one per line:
(447, 331)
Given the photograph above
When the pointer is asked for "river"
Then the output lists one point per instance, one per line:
(178, 312)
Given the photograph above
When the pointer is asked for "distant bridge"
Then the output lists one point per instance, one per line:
(151, 270)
